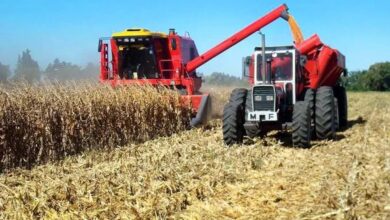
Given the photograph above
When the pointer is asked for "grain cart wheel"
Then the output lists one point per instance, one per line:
(341, 94)
(301, 124)
(309, 98)
(325, 113)
(234, 118)
(336, 114)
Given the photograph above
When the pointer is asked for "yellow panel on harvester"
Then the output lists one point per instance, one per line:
(138, 32)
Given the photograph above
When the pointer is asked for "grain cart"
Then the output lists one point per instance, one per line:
(296, 86)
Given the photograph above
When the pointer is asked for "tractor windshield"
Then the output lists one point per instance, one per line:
(281, 66)
(136, 58)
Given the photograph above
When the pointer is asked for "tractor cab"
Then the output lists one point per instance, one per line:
(279, 71)
(272, 74)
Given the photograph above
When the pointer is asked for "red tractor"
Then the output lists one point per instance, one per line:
(295, 87)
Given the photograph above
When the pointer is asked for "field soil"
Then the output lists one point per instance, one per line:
(192, 175)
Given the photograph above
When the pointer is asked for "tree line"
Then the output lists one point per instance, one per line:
(376, 78)
(27, 69)
(222, 79)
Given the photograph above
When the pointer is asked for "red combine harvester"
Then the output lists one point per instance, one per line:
(294, 87)
(139, 56)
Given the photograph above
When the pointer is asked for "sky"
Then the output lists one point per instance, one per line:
(70, 29)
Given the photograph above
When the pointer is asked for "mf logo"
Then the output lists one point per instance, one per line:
(264, 116)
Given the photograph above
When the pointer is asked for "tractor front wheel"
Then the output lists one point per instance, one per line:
(234, 118)
(341, 95)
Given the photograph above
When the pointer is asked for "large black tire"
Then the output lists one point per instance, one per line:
(341, 95)
(301, 124)
(238, 95)
(337, 119)
(310, 98)
(325, 125)
(234, 118)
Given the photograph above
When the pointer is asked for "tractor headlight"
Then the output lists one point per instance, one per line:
(269, 98)
(258, 98)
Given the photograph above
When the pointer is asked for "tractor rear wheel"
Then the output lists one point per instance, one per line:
(325, 125)
(234, 118)
(341, 95)
(301, 124)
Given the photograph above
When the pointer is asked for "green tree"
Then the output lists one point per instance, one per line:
(91, 71)
(355, 81)
(63, 71)
(378, 77)
(4, 72)
(27, 68)
(223, 79)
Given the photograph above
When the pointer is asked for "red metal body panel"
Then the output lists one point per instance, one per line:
(104, 69)
(324, 65)
(192, 100)
(309, 45)
(115, 58)
(236, 38)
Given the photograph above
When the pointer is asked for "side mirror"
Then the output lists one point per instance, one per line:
(100, 45)
(246, 62)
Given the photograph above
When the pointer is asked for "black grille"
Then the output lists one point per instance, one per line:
(264, 105)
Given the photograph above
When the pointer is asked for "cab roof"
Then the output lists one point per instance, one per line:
(139, 32)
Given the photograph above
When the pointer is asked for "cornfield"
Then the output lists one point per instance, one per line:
(49, 122)
(192, 175)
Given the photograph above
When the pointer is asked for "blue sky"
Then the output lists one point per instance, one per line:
(69, 29)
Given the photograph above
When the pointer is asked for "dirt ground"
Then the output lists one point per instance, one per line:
(192, 175)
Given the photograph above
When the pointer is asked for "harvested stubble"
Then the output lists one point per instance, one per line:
(43, 123)
(191, 175)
